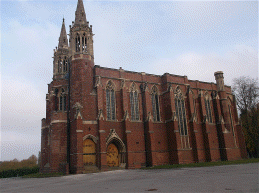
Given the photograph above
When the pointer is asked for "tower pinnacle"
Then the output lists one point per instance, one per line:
(80, 13)
(63, 42)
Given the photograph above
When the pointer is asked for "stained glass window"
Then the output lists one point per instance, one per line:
(155, 104)
(134, 103)
(180, 112)
(110, 101)
(208, 108)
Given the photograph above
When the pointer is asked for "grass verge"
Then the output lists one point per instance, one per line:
(43, 175)
(206, 164)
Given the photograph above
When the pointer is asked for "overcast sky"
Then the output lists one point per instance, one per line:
(194, 38)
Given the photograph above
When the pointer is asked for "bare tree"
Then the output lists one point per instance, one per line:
(246, 91)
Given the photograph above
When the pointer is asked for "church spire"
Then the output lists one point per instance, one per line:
(80, 13)
(63, 43)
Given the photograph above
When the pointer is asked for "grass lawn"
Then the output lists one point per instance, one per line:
(206, 164)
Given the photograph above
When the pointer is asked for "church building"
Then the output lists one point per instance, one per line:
(104, 118)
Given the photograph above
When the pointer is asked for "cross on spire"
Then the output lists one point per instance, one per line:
(80, 13)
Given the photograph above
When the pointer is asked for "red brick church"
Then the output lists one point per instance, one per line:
(99, 117)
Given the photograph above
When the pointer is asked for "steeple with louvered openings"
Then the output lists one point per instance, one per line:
(63, 42)
(80, 14)
(81, 35)
(61, 55)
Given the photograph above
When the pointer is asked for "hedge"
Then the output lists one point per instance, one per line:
(19, 172)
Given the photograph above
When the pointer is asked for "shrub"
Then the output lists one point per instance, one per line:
(18, 172)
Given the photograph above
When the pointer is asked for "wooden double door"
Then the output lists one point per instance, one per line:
(89, 152)
(112, 155)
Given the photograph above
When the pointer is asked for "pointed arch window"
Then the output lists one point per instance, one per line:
(62, 101)
(77, 43)
(110, 101)
(194, 105)
(180, 112)
(65, 62)
(208, 107)
(84, 43)
(59, 65)
(155, 104)
(56, 99)
(134, 103)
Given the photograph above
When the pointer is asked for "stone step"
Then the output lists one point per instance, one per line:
(90, 169)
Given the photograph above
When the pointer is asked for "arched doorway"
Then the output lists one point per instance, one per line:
(116, 150)
(112, 155)
(89, 153)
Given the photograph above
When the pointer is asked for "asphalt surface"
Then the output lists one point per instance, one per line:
(231, 178)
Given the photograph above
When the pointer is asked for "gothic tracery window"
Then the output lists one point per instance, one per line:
(110, 101)
(84, 43)
(56, 99)
(77, 43)
(65, 62)
(208, 107)
(134, 103)
(155, 104)
(59, 65)
(62, 101)
(180, 112)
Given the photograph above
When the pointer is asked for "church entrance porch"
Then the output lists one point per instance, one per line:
(115, 151)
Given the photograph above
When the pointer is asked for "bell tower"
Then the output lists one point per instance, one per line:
(82, 92)
(81, 35)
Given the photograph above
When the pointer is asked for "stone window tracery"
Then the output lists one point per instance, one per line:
(110, 101)
(56, 99)
(84, 43)
(65, 62)
(62, 101)
(77, 43)
(180, 112)
(134, 103)
(59, 65)
(155, 104)
(208, 107)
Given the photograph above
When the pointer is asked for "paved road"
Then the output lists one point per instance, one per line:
(233, 178)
